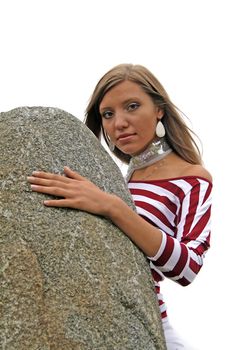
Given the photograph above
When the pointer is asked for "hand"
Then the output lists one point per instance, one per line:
(76, 191)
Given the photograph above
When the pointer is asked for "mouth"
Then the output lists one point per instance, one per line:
(125, 137)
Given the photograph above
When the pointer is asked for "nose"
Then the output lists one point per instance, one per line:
(121, 121)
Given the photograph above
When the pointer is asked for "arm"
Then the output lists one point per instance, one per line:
(181, 258)
(79, 193)
(146, 236)
(178, 258)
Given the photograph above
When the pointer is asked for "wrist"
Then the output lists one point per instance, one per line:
(113, 204)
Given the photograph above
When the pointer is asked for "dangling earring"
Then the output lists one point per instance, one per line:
(109, 142)
(160, 130)
(111, 145)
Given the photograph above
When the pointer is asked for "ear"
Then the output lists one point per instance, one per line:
(160, 113)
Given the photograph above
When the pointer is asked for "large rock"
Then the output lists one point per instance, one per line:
(68, 279)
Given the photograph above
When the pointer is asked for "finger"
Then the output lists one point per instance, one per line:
(46, 182)
(61, 203)
(42, 174)
(73, 174)
(54, 191)
(49, 176)
(39, 181)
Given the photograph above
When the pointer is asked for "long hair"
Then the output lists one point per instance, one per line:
(178, 135)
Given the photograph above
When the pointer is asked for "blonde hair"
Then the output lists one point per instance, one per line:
(179, 136)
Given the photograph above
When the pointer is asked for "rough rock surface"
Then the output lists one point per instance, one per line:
(68, 279)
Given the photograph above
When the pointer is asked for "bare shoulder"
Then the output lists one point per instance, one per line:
(197, 170)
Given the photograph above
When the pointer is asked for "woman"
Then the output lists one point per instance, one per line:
(170, 187)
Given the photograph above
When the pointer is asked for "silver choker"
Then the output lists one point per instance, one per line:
(155, 151)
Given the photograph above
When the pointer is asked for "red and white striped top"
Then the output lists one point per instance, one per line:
(180, 208)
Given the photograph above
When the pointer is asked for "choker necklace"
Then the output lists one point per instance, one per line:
(156, 151)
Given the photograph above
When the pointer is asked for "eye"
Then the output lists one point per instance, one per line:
(132, 106)
(107, 114)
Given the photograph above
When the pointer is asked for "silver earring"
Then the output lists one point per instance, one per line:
(109, 142)
(111, 145)
(160, 130)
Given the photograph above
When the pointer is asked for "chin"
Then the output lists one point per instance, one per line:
(127, 151)
(132, 150)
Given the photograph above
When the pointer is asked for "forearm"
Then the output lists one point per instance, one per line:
(172, 257)
(147, 237)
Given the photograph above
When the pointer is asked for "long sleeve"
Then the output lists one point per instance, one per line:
(181, 209)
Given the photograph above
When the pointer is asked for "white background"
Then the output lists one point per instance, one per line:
(53, 52)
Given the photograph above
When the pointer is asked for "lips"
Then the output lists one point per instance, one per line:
(124, 136)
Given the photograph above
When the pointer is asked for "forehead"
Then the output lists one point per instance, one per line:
(123, 91)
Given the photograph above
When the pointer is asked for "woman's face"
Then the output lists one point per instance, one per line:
(129, 117)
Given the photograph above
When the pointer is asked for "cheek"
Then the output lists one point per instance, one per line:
(149, 130)
(148, 127)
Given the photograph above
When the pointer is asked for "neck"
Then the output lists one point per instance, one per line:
(156, 151)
